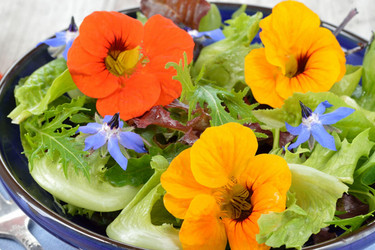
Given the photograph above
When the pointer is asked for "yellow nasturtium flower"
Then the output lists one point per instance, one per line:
(298, 56)
(221, 188)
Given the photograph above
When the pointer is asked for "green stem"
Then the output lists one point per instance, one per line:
(276, 138)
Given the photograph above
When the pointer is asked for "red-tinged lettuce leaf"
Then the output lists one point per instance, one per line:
(187, 12)
(162, 117)
(159, 116)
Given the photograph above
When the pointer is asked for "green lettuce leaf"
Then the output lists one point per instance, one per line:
(349, 82)
(351, 224)
(311, 203)
(30, 94)
(224, 60)
(290, 112)
(134, 224)
(203, 92)
(95, 194)
(59, 165)
(343, 162)
(367, 99)
(48, 135)
(212, 20)
(137, 172)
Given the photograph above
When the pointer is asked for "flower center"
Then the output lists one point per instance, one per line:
(294, 67)
(122, 63)
(234, 201)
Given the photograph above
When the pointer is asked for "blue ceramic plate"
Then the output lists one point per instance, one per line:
(82, 233)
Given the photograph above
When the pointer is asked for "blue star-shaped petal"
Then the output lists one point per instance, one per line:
(314, 124)
(64, 38)
(110, 132)
(210, 36)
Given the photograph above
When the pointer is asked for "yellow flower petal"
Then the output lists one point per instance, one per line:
(283, 28)
(221, 153)
(299, 56)
(202, 228)
(177, 207)
(241, 235)
(267, 169)
(178, 179)
(261, 76)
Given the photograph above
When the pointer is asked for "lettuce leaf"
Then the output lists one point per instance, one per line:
(212, 20)
(311, 203)
(343, 162)
(94, 194)
(349, 82)
(203, 92)
(134, 224)
(30, 94)
(59, 165)
(224, 60)
(367, 99)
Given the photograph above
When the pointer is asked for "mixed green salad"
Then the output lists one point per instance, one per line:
(332, 178)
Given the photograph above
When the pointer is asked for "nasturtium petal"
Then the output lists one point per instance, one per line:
(222, 153)
(163, 37)
(128, 100)
(177, 207)
(179, 181)
(260, 76)
(94, 31)
(202, 228)
(266, 169)
(241, 235)
(280, 33)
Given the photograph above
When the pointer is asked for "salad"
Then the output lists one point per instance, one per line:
(180, 130)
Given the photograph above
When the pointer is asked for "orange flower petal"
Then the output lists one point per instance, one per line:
(163, 37)
(241, 235)
(267, 198)
(177, 207)
(202, 228)
(178, 180)
(221, 153)
(170, 88)
(261, 78)
(103, 30)
(139, 94)
(283, 28)
(267, 169)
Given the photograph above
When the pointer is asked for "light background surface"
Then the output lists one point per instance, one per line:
(24, 23)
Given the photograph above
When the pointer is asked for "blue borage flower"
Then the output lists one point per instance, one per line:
(211, 36)
(111, 131)
(64, 38)
(314, 125)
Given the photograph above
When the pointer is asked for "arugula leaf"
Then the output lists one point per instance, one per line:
(202, 92)
(48, 134)
(311, 203)
(351, 224)
(30, 94)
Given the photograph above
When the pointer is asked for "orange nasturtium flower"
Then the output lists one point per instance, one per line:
(122, 63)
(220, 188)
(298, 56)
